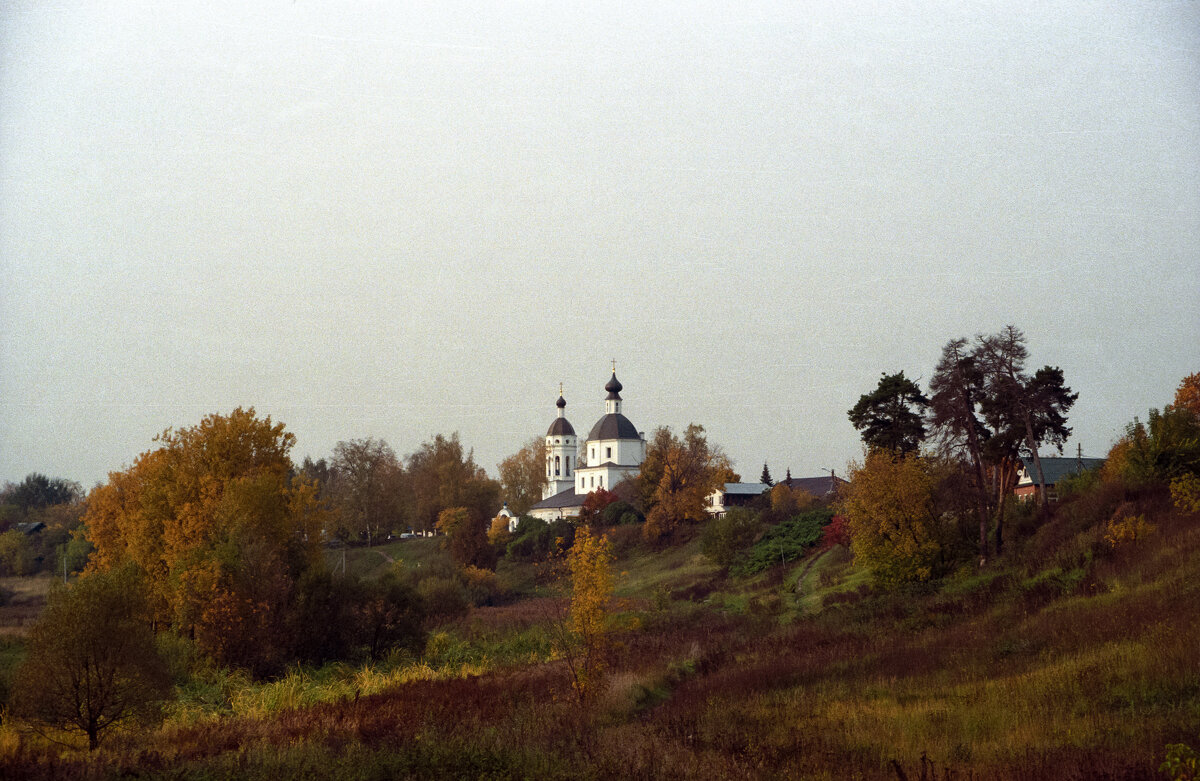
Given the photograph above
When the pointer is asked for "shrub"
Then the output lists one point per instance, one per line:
(1127, 530)
(1185, 493)
(1072, 485)
(537, 540)
(444, 598)
(786, 542)
(483, 587)
(725, 539)
(1182, 763)
(621, 512)
(340, 619)
(836, 533)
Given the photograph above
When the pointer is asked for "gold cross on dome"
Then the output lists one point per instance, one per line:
(614, 365)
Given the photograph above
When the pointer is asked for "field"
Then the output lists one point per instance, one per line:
(1073, 660)
(24, 598)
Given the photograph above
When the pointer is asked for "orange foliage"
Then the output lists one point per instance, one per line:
(677, 477)
(216, 522)
(1187, 395)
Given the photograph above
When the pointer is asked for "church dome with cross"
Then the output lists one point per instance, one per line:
(613, 451)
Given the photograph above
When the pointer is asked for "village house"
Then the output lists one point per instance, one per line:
(1054, 469)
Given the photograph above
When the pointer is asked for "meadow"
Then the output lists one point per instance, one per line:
(1069, 658)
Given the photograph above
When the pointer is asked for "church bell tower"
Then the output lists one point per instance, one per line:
(561, 452)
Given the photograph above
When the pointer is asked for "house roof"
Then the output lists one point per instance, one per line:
(1056, 468)
(561, 500)
(749, 489)
(614, 425)
(29, 527)
(817, 486)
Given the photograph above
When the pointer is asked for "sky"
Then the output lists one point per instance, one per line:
(394, 220)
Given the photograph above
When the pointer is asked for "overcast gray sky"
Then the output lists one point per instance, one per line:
(394, 220)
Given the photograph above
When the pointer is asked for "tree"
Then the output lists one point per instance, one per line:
(892, 518)
(222, 529)
(92, 661)
(1187, 395)
(677, 477)
(956, 388)
(891, 416)
(37, 491)
(16, 554)
(598, 500)
(366, 486)
(466, 538)
(765, 477)
(523, 476)
(590, 561)
(1038, 405)
(441, 475)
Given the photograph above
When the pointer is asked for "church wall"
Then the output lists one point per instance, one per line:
(627, 452)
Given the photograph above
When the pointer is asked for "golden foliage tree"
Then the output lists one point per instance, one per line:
(590, 561)
(890, 509)
(219, 526)
(523, 476)
(677, 477)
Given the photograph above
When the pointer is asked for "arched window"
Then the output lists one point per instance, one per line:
(556, 473)
(568, 473)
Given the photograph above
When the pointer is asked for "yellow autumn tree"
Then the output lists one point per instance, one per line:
(590, 561)
(677, 477)
(221, 529)
(893, 521)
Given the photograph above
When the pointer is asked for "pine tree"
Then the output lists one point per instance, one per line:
(766, 475)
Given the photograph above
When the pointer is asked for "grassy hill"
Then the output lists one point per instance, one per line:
(1073, 656)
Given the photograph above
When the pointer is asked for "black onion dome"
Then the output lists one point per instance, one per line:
(613, 387)
(560, 428)
(561, 403)
(613, 426)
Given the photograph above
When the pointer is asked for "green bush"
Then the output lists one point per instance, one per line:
(725, 540)
(621, 512)
(786, 542)
(444, 598)
(537, 540)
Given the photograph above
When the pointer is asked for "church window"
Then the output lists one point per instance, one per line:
(593, 481)
(591, 452)
(568, 466)
(608, 452)
(556, 464)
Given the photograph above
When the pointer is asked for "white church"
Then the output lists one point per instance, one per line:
(614, 449)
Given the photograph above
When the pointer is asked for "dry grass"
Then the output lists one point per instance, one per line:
(1008, 674)
(25, 603)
